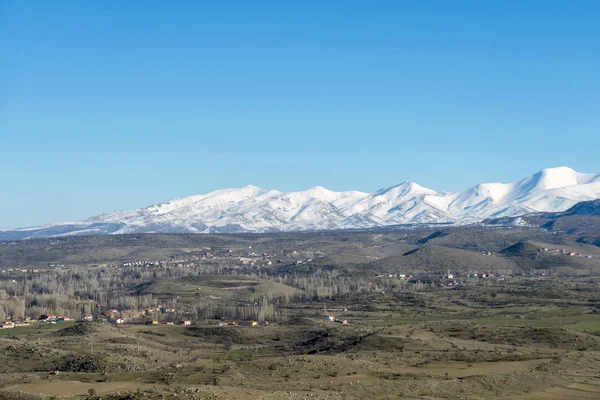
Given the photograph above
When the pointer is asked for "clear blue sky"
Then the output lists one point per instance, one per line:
(109, 105)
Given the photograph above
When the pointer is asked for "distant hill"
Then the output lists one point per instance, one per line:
(591, 207)
(440, 259)
(491, 238)
(524, 249)
(535, 255)
(583, 219)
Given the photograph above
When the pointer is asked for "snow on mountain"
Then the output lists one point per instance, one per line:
(252, 209)
(399, 204)
(552, 189)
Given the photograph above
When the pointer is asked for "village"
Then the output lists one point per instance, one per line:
(148, 317)
(566, 252)
(113, 317)
(115, 306)
(247, 258)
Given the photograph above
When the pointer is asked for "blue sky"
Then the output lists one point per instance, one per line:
(109, 105)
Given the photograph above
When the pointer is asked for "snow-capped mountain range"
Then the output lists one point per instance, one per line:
(252, 209)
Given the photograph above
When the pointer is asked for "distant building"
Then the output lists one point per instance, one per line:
(48, 317)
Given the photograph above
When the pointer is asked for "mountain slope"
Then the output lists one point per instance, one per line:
(252, 209)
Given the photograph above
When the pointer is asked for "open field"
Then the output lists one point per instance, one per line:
(463, 313)
(310, 356)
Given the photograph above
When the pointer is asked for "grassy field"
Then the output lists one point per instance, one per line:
(240, 288)
(36, 328)
(531, 336)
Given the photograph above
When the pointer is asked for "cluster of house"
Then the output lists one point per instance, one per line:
(482, 275)
(334, 319)
(450, 283)
(301, 257)
(53, 318)
(15, 322)
(247, 258)
(565, 252)
(180, 263)
(243, 323)
(252, 259)
(106, 316)
(20, 270)
(114, 317)
(227, 323)
(151, 313)
(397, 276)
(294, 257)
(446, 280)
(183, 322)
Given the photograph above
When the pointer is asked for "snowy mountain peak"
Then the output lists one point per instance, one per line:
(320, 192)
(551, 178)
(404, 188)
(554, 178)
(253, 209)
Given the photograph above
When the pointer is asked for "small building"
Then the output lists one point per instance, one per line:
(227, 323)
(48, 317)
(87, 317)
(185, 322)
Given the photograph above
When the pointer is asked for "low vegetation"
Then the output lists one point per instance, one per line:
(461, 313)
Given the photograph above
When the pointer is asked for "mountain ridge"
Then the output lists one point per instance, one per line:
(254, 209)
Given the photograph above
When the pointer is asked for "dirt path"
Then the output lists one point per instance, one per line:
(577, 391)
(460, 369)
(76, 388)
